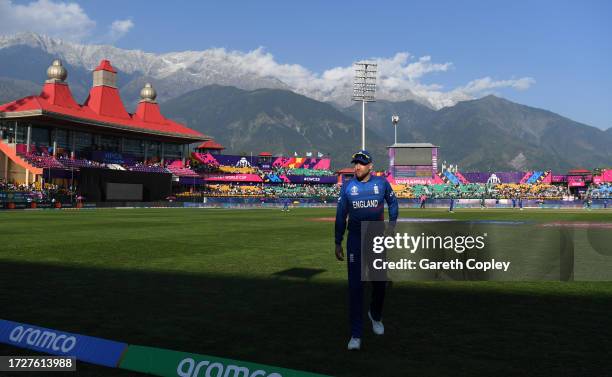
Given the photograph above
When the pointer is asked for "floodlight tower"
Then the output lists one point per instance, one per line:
(395, 121)
(364, 89)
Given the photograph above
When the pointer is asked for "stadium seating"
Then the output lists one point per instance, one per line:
(529, 191)
(403, 191)
(234, 190)
(309, 172)
(531, 184)
(177, 169)
(302, 191)
(237, 170)
(451, 178)
(80, 163)
(603, 191)
(205, 158)
(44, 161)
(534, 177)
(146, 168)
(461, 178)
(526, 176)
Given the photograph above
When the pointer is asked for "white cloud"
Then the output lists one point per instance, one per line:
(66, 20)
(399, 78)
(118, 29)
(487, 83)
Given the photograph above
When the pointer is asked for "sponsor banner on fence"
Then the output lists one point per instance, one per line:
(413, 181)
(84, 348)
(15, 197)
(312, 179)
(162, 362)
(234, 178)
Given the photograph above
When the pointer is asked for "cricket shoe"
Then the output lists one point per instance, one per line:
(377, 326)
(354, 344)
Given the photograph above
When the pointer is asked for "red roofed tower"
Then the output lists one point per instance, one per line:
(104, 97)
(148, 109)
(55, 90)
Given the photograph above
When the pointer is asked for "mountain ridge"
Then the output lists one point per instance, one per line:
(485, 133)
(472, 133)
(275, 120)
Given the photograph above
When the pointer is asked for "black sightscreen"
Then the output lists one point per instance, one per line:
(94, 184)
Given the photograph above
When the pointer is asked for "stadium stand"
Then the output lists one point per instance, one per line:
(534, 177)
(602, 191)
(43, 161)
(477, 177)
(461, 178)
(79, 163)
(177, 169)
(145, 168)
(304, 172)
(452, 178)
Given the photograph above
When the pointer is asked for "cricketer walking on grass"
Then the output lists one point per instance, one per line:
(362, 199)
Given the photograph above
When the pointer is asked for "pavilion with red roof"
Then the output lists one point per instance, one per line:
(53, 123)
(210, 146)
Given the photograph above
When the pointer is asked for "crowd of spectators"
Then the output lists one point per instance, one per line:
(232, 190)
(302, 191)
(538, 191)
(35, 192)
(479, 191)
(301, 171)
(277, 171)
(601, 191)
(440, 191)
(12, 187)
(268, 191)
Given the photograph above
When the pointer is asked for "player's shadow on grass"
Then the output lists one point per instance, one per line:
(433, 329)
(300, 273)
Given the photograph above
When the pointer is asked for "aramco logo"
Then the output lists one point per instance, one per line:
(189, 368)
(43, 339)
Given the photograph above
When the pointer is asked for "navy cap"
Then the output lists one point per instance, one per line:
(363, 157)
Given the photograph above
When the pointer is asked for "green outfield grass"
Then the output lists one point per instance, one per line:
(264, 286)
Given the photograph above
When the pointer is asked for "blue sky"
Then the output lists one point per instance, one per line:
(563, 49)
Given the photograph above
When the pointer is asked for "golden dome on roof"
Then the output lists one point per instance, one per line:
(148, 93)
(56, 72)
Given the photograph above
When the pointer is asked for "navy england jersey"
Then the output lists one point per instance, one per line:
(364, 201)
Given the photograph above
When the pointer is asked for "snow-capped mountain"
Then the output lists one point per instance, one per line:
(399, 77)
(172, 73)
